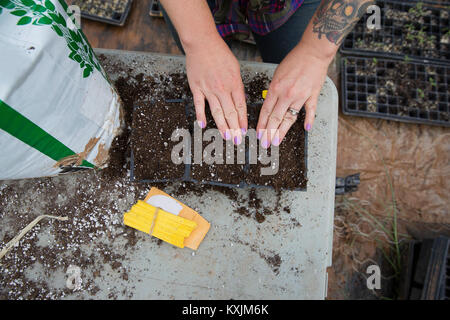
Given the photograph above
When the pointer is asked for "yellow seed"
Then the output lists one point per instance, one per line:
(264, 94)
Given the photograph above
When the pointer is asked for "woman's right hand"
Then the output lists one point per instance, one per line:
(214, 74)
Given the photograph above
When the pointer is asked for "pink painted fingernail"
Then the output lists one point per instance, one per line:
(260, 133)
(276, 141)
(201, 124)
(308, 127)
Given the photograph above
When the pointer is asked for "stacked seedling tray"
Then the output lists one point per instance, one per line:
(108, 11)
(226, 175)
(407, 30)
(396, 90)
(400, 72)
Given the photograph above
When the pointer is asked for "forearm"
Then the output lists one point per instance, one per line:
(193, 21)
(331, 23)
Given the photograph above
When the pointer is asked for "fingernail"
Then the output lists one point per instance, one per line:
(201, 124)
(308, 127)
(244, 131)
(237, 140)
(260, 133)
(227, 135)
(265, 144)
(276, 141)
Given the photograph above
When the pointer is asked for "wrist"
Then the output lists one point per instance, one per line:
(195, 42)
(322, 52)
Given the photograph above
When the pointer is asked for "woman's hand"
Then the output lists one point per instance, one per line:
(214, 74)
(296, 82)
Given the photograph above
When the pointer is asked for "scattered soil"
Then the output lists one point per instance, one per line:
(92, 215)
(272, 259)
(94, 202)
(255, 209)
(259, 217)
(253, 200)
(243, 211)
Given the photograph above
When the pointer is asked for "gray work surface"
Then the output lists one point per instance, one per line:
(232, 261)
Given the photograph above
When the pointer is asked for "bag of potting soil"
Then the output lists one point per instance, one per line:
(58, 110)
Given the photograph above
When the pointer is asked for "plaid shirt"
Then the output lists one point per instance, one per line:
(234, 17)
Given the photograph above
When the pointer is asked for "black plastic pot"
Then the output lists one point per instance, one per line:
(356, 89)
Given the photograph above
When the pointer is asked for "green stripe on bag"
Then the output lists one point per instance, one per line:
(26, 131)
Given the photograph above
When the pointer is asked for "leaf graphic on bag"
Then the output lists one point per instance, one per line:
(24, 20)
(44, 13)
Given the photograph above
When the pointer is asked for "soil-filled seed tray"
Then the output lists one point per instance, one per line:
(396, 90)
(151, 144)
(409, 30)
(108, 11)
(151, 158)
(442, 3)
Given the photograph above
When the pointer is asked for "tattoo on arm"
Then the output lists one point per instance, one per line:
(336, 18)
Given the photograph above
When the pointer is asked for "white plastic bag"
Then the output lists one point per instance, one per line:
(58, 110)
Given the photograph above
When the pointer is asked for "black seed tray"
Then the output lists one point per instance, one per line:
(394, 40)
(369, 92)
(187, 177)
(117, 18)
(442, 3)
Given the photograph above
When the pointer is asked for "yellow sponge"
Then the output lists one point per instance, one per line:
(159, 223)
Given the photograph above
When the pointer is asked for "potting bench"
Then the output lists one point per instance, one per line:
(286, 257)
(229, 262)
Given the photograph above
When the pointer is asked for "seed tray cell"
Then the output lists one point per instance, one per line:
(187, 177)
(108, 11)
(395, 90)
(407, 32)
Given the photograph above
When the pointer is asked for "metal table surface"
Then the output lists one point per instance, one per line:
(238, 258)
(229, 262)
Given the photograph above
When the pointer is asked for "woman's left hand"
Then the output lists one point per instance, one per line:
(296, 82)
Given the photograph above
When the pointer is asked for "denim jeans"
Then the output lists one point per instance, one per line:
(275, 45)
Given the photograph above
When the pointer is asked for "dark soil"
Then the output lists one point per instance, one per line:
(254, 86)
(231, 174)
(292, 166)
(253, 200)
(292, 171)
(151, 142)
